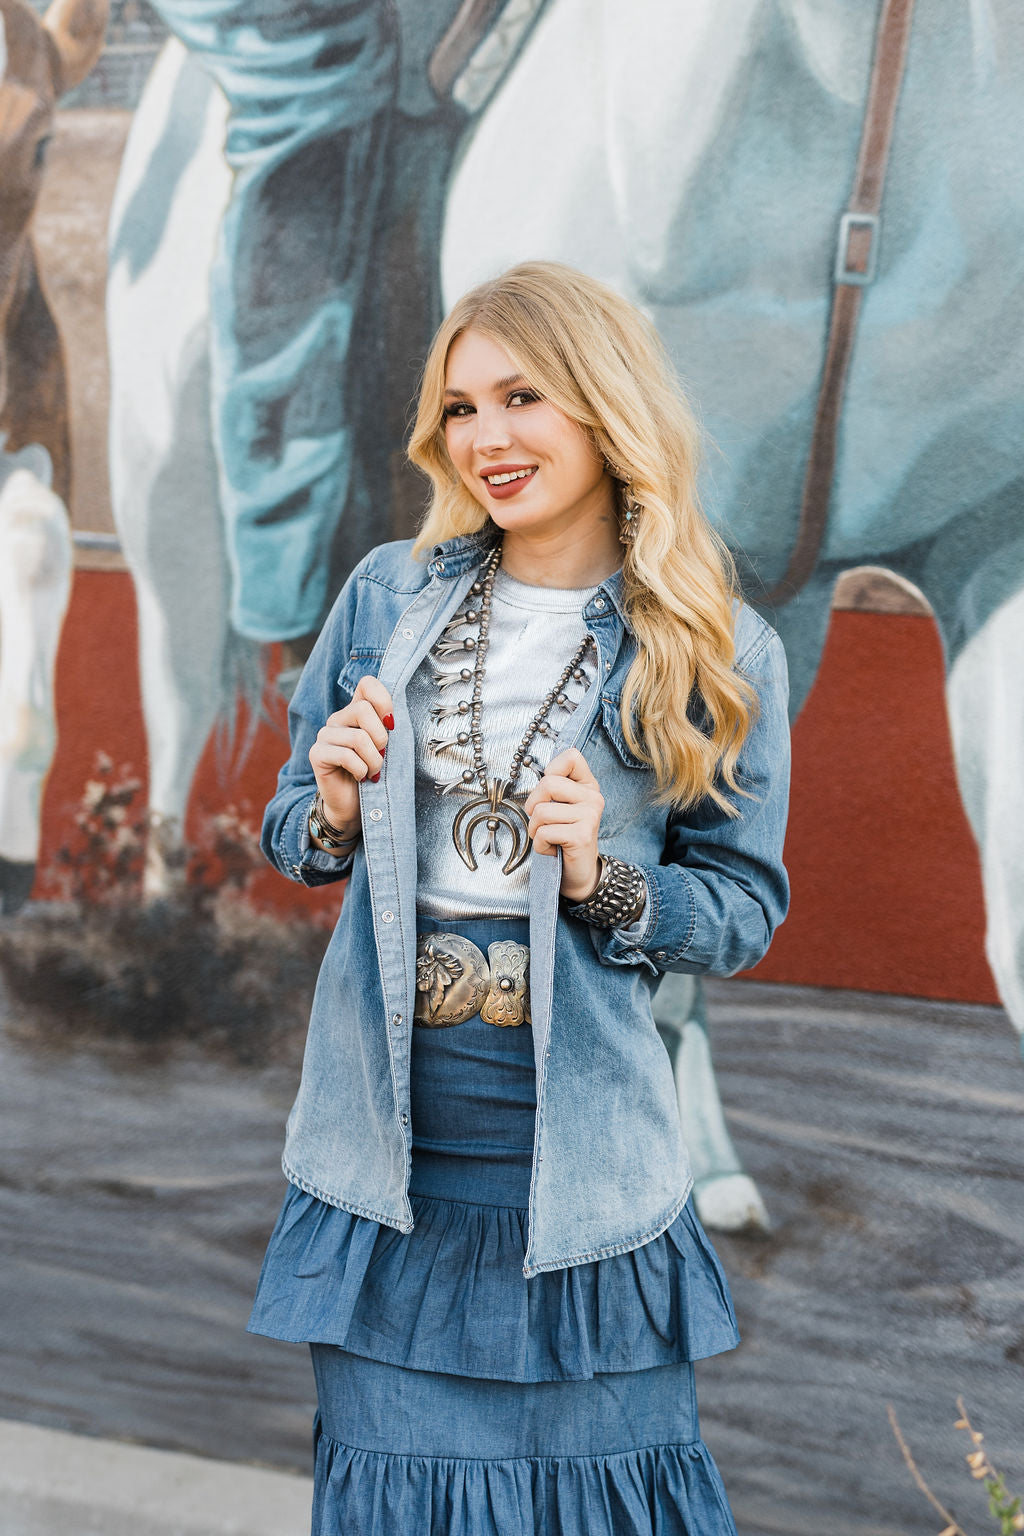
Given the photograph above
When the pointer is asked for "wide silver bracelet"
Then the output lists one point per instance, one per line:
(619, 898)
(335, 840)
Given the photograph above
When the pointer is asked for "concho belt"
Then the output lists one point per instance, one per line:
(455, 981)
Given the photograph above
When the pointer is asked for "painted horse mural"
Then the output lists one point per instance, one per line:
(40, 60)
(240, 399)
(703, 160)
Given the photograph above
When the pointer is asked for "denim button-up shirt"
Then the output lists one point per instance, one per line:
(610, 1167)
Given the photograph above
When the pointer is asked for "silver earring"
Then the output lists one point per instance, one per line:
(631, 508)
(631, 512)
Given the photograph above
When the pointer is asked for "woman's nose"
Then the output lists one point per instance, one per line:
(492, 432)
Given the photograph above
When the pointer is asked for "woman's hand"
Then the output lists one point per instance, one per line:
(565, 812)
(350, 748)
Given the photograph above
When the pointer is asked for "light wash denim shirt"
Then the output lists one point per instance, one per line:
(610, 1167)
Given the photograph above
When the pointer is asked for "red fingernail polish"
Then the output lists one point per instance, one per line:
(389, 722)
(383, 749)
(374, 777)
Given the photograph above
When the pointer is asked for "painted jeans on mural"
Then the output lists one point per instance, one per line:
(607, 1115)
(316, 93)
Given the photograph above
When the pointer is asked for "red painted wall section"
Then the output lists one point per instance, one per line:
(885, 873)
(99, 709)
(886, 884)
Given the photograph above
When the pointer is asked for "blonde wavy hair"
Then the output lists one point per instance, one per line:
(580, 345)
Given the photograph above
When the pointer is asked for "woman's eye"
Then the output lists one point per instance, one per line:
(523, 397)
(459, 409)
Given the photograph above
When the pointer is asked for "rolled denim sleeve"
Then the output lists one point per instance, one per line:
(721, 888)
(285, 837)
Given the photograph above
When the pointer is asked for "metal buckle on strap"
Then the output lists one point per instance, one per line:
(455, 981)
(857, 249)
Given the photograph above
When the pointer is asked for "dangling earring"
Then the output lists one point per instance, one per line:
(631, 508)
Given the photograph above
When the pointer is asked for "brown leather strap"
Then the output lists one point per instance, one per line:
(459, 43)
(856, 256)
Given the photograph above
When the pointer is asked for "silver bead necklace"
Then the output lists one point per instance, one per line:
(494, 807)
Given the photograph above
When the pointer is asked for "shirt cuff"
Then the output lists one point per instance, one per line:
(315, 866)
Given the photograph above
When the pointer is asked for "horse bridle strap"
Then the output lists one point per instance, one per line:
(856, 258)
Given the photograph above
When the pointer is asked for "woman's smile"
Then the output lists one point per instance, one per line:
(506, 480)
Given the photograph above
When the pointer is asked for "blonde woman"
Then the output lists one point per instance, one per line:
(547, 746)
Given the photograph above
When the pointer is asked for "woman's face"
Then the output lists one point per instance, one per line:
(530, 465)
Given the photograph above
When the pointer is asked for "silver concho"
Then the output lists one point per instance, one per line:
(451, 980)
(508, 997)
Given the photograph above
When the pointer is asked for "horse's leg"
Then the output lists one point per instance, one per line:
(171, 192)
(980, 610)
(727, 1198)
(35, 583)
(173, 542)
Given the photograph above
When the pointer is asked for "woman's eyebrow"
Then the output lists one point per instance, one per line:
(499, 386)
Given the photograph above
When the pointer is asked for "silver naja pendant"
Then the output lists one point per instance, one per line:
(494, 811)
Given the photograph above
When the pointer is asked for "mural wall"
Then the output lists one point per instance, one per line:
(226, 235)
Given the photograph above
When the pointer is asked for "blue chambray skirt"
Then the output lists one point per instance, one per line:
(458, 1398)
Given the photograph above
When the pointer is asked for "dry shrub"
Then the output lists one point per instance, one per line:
(97, 963)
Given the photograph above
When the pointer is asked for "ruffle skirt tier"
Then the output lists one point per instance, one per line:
(451, 1296)
(442, 1455)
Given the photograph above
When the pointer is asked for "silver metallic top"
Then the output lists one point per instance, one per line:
(533, 633)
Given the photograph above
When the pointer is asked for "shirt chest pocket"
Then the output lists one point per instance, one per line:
(626, 782)
(362, 662)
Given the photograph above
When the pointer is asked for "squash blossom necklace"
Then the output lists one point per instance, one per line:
(495, 806)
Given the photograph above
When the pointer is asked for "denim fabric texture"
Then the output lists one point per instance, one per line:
(450, 1296)
(610, 1170)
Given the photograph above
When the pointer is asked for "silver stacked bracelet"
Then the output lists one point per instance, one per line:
(619, 898)
(335, 840)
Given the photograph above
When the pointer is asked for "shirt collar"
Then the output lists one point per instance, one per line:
(614, 587)
(454, 556)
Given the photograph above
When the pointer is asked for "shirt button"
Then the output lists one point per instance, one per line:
(607, 666)
(376, 815)
(387, 917)
(405, 1119)
(296, 870)
(440, 566)
(659, 954)
(396, 1020)
(598, 602)
(407, 634)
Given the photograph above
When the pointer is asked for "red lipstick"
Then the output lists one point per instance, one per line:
(511, 487)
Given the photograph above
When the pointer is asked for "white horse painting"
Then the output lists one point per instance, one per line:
(41, 58)
(698, 159)
(705, 177)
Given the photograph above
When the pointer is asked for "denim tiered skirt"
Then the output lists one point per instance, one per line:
(458, 1398)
